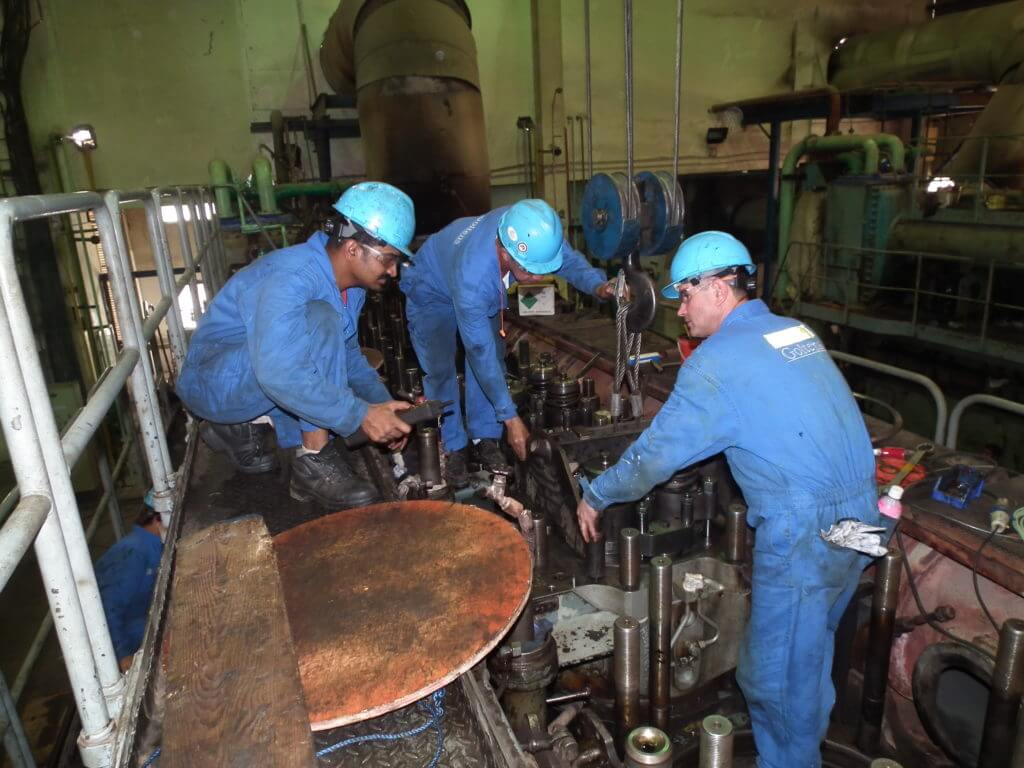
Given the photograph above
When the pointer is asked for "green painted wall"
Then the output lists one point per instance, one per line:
(170, 85)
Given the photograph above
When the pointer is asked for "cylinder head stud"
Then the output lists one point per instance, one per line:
(716, 735)
(647, 747)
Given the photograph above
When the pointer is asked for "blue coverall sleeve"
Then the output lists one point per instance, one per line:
(282, 346)
(363, 380)
(578, 272)
(697, 421)
(484, 357)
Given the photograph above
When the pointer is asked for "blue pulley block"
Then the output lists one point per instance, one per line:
(610, 216)
(661, 212)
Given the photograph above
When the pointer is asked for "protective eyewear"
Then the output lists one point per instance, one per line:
(687, 288)
(389, 260)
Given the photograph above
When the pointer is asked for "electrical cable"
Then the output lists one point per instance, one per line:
(152, 758)
(974, 578)
(920, 605)
(434, 706)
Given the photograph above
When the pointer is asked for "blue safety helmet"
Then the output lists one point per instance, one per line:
(704, 253)
(148, 499)
(384, 211)
(531, 232)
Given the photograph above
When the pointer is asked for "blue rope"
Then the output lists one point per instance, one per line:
(152, 758)
(434, 707)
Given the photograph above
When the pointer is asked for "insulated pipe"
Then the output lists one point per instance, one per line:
(1004, 698)
(626, 672)
(977, 45)
(880, 635)
(412, 65)
(955, 239)
(221, 183)
(660, 612)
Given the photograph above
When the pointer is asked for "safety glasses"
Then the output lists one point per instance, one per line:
(389, 260)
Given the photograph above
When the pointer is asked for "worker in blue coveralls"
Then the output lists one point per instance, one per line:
(279, 343)
(762, 389)
(126, 574)
(458, 282)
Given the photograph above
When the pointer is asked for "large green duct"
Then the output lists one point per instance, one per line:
(984, 45)
(413, 68)
(981, 45)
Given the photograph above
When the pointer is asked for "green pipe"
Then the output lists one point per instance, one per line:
(220, 181)
(836, 144)
(311, 189)
(894, 148)
(263, 178)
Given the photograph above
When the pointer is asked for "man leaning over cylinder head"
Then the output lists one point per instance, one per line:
(458, 283)
(763, 390)
(280, 341)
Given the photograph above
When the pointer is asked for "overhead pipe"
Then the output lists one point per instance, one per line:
(984, 45)
(412, 65)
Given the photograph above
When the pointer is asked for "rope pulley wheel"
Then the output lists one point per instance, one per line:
(611, 216)
(643, 299)
(661, 215)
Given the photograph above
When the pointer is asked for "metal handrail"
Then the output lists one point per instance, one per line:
(854, 285)
(43, 458)
(902, 373)
(953, 433)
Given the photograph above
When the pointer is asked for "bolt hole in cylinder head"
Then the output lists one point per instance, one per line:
(716, 734)
(646, 747)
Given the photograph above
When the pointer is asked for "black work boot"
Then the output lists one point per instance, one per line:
(250, 447)
(455, 473)
(329, 479)
(488, 454)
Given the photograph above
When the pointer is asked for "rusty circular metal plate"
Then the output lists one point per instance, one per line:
(390, 602)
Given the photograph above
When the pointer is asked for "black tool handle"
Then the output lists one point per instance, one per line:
(425, 411)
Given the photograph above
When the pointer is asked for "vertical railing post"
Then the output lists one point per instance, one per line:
(59, 478)
(143, 388)
(110, 491)
(15, 742)
(165, 274)
(987, 310)
(30, 469)
(186, 250)
(917, 294)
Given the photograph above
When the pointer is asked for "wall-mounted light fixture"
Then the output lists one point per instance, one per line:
(83, 136)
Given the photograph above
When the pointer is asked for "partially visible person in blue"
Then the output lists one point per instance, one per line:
(762, 389)
(126, 574)
(279, 343)
(458, 283)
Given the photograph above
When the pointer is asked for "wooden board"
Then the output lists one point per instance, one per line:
(390, 602)
(233, 691)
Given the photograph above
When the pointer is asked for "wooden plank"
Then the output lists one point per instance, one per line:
(233, 691)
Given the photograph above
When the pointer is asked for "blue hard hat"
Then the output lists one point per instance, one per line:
(531, 232)
(384, 211)
(148, 499)
(703, 253)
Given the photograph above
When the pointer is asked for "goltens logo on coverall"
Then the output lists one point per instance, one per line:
(795, 343)
(467, 230)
